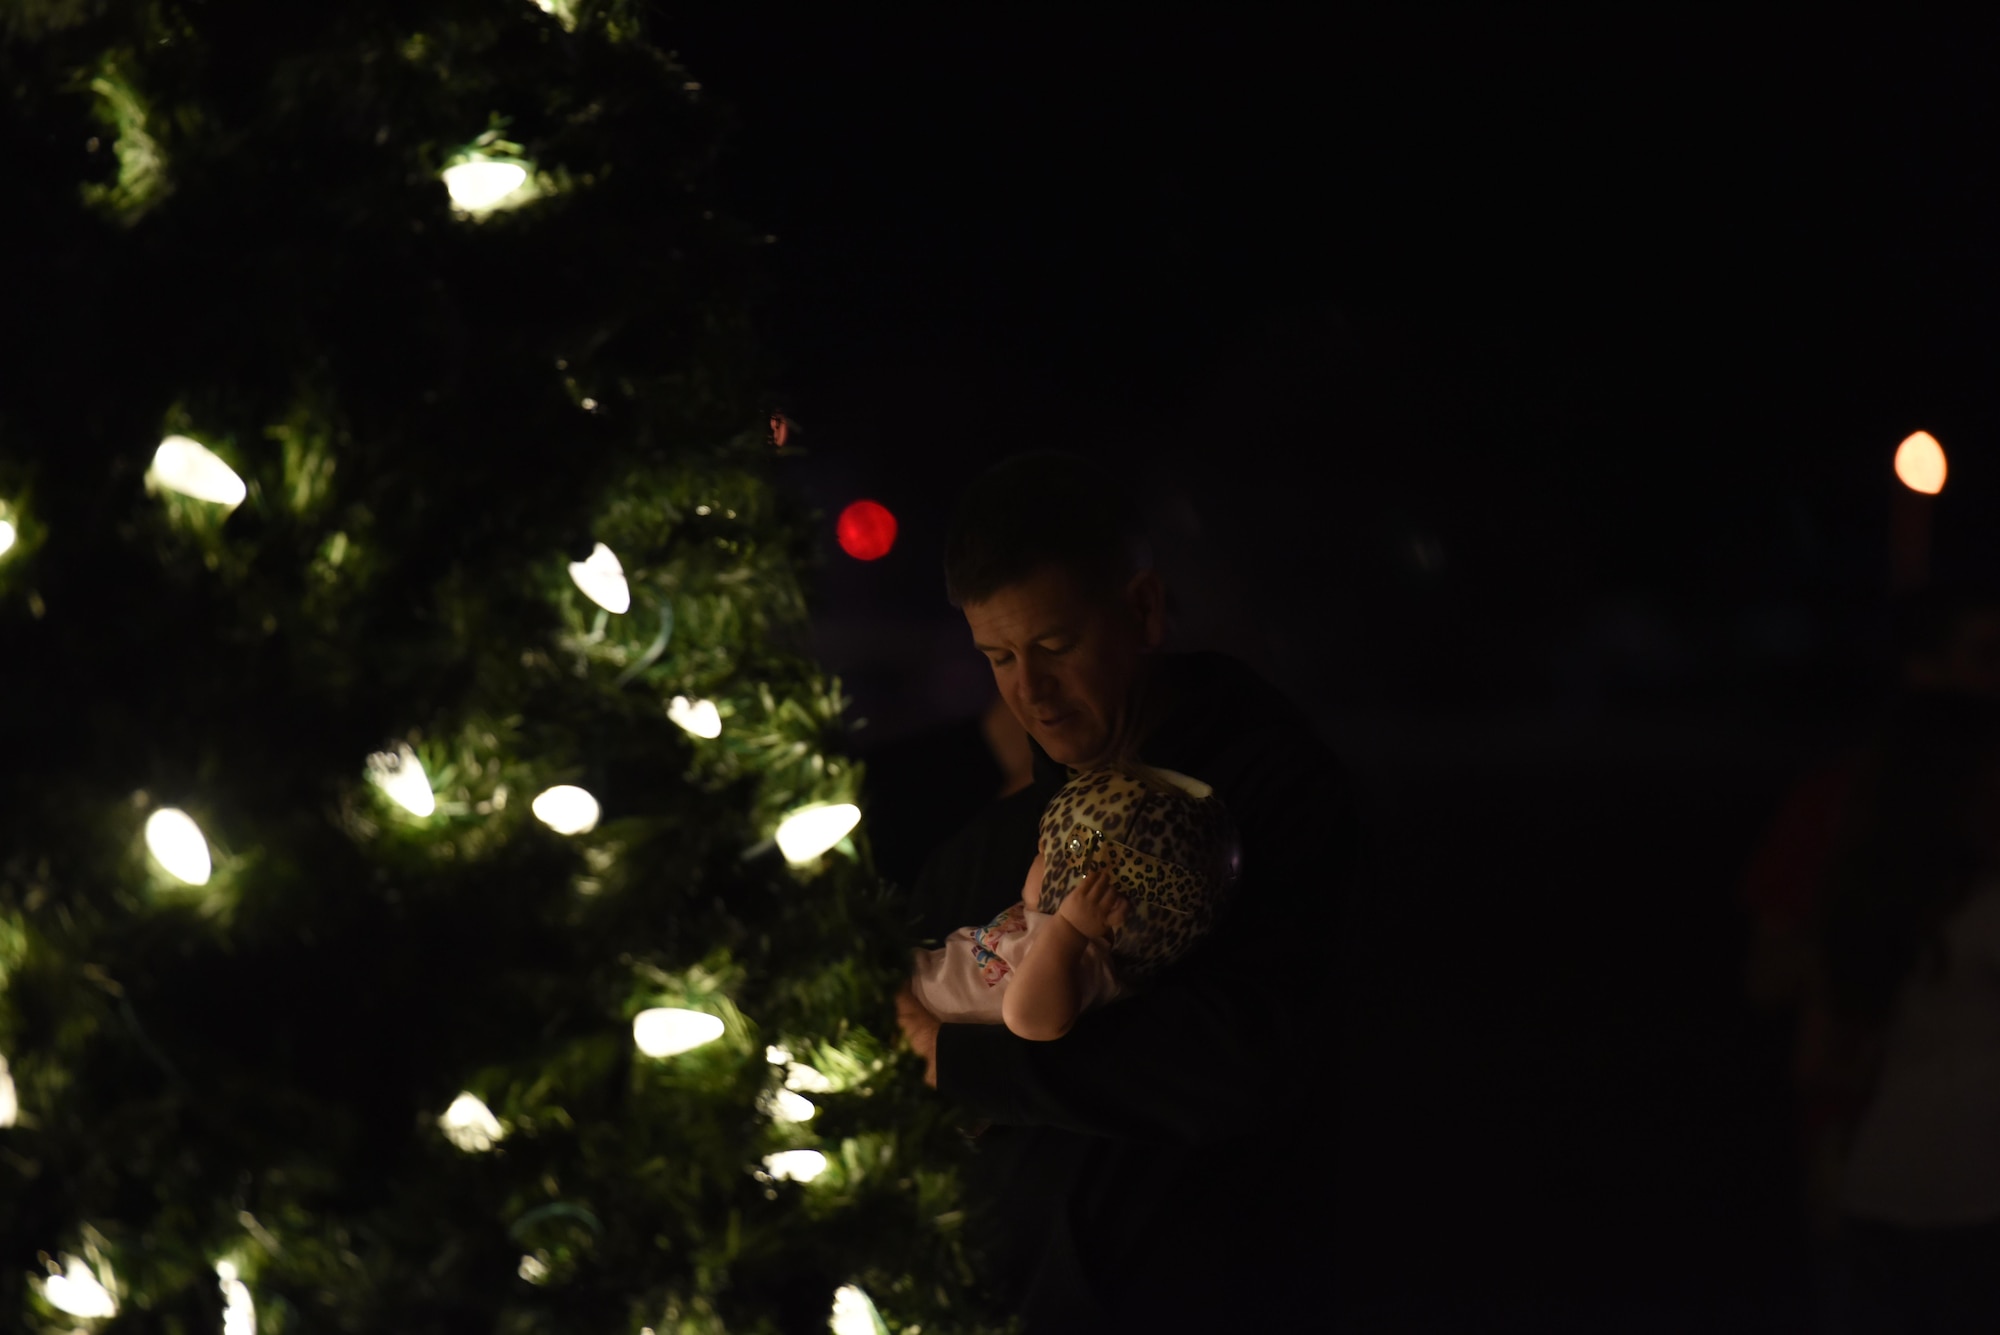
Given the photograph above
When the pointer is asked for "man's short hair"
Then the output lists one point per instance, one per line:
(1038, 510)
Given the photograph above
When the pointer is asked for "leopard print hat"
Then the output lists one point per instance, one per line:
(1167, 839)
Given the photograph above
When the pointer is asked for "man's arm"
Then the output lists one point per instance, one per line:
(1183, 1063)
(1203, 1054)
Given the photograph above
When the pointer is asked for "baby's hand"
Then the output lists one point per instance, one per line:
(1095, 908)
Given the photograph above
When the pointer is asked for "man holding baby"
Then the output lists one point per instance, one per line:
(1162, 1161)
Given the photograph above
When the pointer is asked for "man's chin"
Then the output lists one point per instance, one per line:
(1074, 752)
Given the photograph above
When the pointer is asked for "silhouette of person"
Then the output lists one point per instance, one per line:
(1906, 980)
(923, 788)
(1947, 654)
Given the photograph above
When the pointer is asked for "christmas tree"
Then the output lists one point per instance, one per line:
(431, 897)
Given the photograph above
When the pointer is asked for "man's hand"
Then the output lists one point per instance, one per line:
(1096, 908)
(921, 1028)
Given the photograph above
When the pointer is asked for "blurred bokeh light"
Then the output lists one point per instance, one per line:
(1920, 463)
(866, 530)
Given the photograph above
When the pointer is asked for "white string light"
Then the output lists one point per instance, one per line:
(239, 1310)
(481, 184)
(799, 1076)
(563, 11)
(401, 775)
(8, 534)
(785, 1106)
(810, 831)
(567, 809)
(469, 1124)
(795, 1165)
(533, 1269)
(79, 1292)
(699, 717)
(177, 842)
(602, 579)
(854, 1313)
(666, 1030)
(189, 467)
(10, 1103)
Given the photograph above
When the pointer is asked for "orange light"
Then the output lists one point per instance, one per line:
(1920, 463)
(866, 531)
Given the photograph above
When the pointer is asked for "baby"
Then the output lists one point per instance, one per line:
(1133, 866)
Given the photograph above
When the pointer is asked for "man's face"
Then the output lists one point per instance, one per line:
(1066, 662)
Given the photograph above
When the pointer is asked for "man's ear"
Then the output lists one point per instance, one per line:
(1146, 595)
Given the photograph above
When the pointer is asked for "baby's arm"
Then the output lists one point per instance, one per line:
(1045, 993)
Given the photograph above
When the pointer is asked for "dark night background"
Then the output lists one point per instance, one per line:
(1520, 395)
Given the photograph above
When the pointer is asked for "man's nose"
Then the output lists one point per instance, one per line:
(1037, 683)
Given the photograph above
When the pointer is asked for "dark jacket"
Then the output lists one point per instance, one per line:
(1167, 1163)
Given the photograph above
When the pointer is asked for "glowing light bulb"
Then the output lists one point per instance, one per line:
(8, 535)
(699, 717)
(854, 1313)
(401, 775)
(1920, 463)
(469, 1124)
(10, 1105)
(192, 469)
(602, 579)
(566, 809)
(802, 1077)
(177, 842)
(795, 1165)
(866, 530)
(482, 184)
(563, 11)
(776, 1055)
(79, 1292)
(810, 831)
(532, 1269)
(666, 1030)
(785, 1106)
(239, 1310)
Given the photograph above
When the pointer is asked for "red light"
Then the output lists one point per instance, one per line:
(866, 531)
